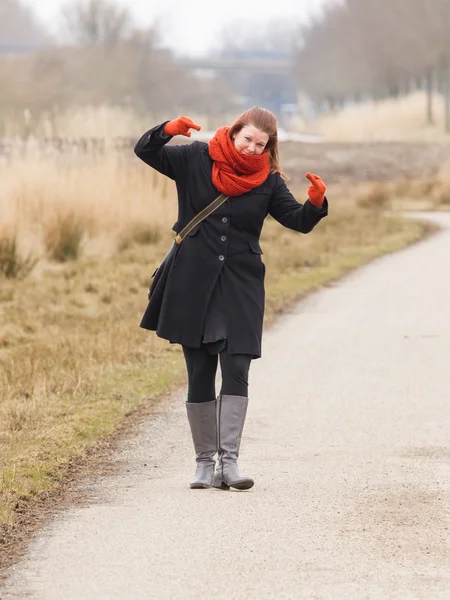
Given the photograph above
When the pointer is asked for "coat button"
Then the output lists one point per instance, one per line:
(221, 257)
(223, 238)
(224, 219)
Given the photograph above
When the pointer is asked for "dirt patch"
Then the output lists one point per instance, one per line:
(440, 453)
(400, 522)
(359, 162)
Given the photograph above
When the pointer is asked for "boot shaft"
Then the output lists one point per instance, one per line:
(232, 411)
(203, 424)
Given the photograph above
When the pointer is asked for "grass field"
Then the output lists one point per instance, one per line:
(402, 118)
(78, 242)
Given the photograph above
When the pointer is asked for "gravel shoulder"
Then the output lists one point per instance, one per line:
(346, 438)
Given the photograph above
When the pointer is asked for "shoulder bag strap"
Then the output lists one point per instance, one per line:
(199, 218)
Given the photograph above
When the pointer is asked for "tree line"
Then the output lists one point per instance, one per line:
(361, 49)
(103, 58)
(356, 50)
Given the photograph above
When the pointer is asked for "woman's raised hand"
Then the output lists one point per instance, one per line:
(180, 126)
(317, 189)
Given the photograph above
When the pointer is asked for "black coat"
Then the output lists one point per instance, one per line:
(226, 243)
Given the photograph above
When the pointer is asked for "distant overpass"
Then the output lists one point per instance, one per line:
(256, 65)
(257, 80)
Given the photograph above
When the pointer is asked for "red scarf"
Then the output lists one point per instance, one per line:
(233, 172)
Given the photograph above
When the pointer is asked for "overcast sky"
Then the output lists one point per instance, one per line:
(191, 26)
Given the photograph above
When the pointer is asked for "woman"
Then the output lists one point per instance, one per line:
(213, 303)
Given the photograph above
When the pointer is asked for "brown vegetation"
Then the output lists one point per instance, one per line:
(393, 119)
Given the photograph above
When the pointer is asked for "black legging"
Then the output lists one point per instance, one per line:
(202, 368)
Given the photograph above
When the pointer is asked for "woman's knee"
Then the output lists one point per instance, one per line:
(235, 371)
(201, 370)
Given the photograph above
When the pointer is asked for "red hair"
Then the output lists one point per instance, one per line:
(265, 121)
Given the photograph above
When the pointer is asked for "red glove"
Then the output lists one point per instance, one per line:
(317, 189)
(180, 126)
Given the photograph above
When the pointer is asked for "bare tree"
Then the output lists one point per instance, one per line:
(239, 39)
(360, 48)
(436, 16)
(97, 22)
(112, 63)
(19, 26)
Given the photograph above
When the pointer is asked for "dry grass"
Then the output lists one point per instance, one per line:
(104, 121)
(73, 361)
(89, 121)
(394, 119)
(63, 234)
(13, 263)
(59, 210)
(378, 197)
(417, 195)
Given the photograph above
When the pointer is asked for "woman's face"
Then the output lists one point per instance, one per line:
(250, 140)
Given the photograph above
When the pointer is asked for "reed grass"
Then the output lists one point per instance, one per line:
(417, 195)
(402, 118)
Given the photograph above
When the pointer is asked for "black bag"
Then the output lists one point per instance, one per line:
(159, 277)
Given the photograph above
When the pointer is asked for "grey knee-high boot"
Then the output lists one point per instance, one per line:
(230, 424)
(202, 421)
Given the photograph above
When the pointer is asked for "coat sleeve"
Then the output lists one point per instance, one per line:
(286, 210)
(168, 160)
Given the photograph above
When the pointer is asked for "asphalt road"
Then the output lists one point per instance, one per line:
(347, 438)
